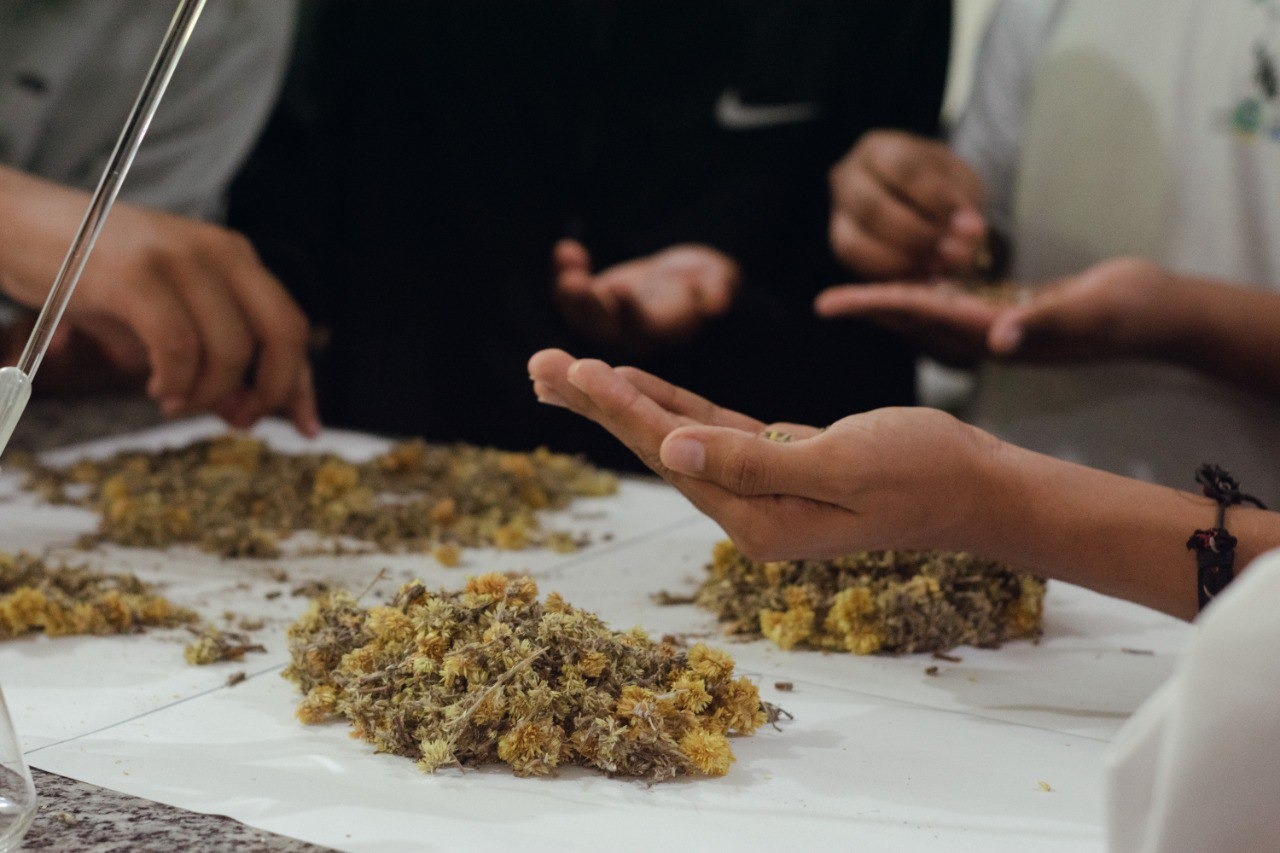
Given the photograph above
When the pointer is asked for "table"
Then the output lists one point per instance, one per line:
(1000, 751)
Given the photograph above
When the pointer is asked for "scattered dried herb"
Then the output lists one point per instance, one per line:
(948, 658)
(214, 645)
(931, 670)
(663, 598)
(784, 686)
(235, 497)
(62, 600)
(490, 674)
(236, 678)
(874, 601)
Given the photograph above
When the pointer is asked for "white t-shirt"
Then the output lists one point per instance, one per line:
(1197, 768)
(1145, 127)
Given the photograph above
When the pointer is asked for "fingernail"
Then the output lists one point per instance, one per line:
(1008, 340)
(968, 220)
(171, 406)
(551, 398)
(685, 455)
(313, 426)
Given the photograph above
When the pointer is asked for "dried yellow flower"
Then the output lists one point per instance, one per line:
(64, 600)
(874, 601)
(490, 674)
(235, 497)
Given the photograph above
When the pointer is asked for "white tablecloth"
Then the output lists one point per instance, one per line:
(880, 755)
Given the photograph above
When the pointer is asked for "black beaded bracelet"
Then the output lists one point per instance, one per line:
(1216, 548)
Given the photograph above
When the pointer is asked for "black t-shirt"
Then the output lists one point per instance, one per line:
(428, 154)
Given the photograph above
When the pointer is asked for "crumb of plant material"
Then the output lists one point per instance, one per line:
(662, 598)
(247, 624)
(1138, 651)
(63, 600)
(310, 589)
(65, 818)
(948, 658)
(492, 674)
(931, 670)
(214, 645)
(784, 686)
(874, 601)
(273, 595)
(448, 554)
(236, 678)
(1044, 786)
(235, 497)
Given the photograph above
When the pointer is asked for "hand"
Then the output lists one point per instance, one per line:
(905, 207)
(1122, 308)
(189, 300)
(892, 478)
(653, 301)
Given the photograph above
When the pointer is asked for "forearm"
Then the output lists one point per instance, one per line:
(1228, 332)
(1118, 536)
(37, 221)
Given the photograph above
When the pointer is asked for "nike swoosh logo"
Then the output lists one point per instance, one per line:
(733, 114)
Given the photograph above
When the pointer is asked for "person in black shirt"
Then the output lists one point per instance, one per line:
(450, 185)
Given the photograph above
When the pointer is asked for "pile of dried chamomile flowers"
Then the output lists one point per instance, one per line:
(66, 600)
(235, 497)
(874, 601)
(490, 674)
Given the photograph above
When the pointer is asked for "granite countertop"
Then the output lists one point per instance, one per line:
(75, 816)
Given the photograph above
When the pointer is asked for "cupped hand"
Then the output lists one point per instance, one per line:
(184, 300)
(654, 301)
(903, 206)
(1121, 308)
(913, 478)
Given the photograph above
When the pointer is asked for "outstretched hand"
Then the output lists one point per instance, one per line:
(1123, 308)
(884, 479)
(657, 300)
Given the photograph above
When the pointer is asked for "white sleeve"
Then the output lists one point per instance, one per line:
(1197, 769)
(219, 99)
(989, 133)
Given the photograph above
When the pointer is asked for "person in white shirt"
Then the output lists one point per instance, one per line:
(167, 291)
(1142, 130)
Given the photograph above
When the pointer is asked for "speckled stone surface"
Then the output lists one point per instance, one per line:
(74, 816)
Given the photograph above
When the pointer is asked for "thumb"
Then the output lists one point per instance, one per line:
(570, 256)
(744, 463)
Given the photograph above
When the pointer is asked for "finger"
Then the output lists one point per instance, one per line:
(919, 177)
(667, 307)
(870, 256)
(573, 267)
(683, 402)
(885, 217)
(749, 464)
(621, 408)
(571, 256)
(302, 408)
(164, 326)
(279, 327)
(934, 303)
(226, 341)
